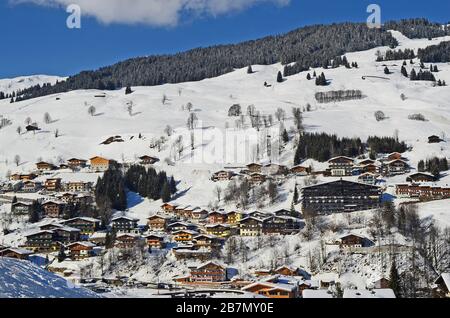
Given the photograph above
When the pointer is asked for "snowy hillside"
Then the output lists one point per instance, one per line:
(22, 279)
(9, 85)
(80, 121)
(81, 135)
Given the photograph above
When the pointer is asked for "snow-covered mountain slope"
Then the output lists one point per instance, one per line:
(81, 134)
(9, 85)
(22, 279)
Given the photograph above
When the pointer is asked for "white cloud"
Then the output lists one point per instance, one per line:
(153, 12)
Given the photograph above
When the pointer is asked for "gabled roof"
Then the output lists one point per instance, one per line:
(19, 251)
(341, 157)
(271, 286)
(124, 217)
(83, 218)
(85, 244)
(211, 263)
(186, 231)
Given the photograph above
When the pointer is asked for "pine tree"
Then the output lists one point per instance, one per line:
(308, 77)
(279, 77)
(404, 71)
(249, 70)
(165, 193)
(413, 75)
(128, 90)
(61, 254)
(394, 280)
(173, 185)
(387, 71)
(295, 194)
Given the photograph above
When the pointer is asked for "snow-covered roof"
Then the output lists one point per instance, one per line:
(374, 293)
(124, 217)
(20, 251)
(271, 286)
(86, 244)
(321, 293)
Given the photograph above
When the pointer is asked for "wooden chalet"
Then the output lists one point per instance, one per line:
(421, 177)
(272, 290)
(217, 217)
(210, 272)
(396, 167)
(222, 176)
(80, 250)
(66, 234)
(287, 271)
(98, 238)
(53, 209)
(155, 241)
(158, 223)
(341, 166)
(250, 226)
(75, 163)
(368, 178)
(199, 214)
(16, 253)
(207, 241)
(353, 240)
(394, 156)
(127, 240)
(300, 170)
(100, 164)
(148, 160)
(22, 177)
(124, 224)
(78, 186)
(280, 225)
(21, 208)
(41, 241)
(45, 166)
(86, 225)
(31, 186)
(168, 207)
(380, 283)
(178, 226)
(52, 184)
(219, 230)
(184, 236)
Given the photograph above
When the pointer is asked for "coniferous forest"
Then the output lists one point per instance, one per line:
(323, 147)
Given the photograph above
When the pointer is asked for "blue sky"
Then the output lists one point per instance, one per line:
(35, 39)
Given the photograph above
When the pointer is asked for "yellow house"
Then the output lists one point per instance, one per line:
(233, 217)
(183, 236)
(220, 230)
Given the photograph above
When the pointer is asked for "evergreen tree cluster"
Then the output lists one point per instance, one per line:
(307, 47)
(323, 147)
(386, 144)
(422, 76)
(435, 53)
(338, 96)
(418, 28)
(393, 55)
(321, 80)
(150, 184)
(110, 191)
(434, 165)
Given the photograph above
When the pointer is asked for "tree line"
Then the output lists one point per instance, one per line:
(322, 146)
(307, 47)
